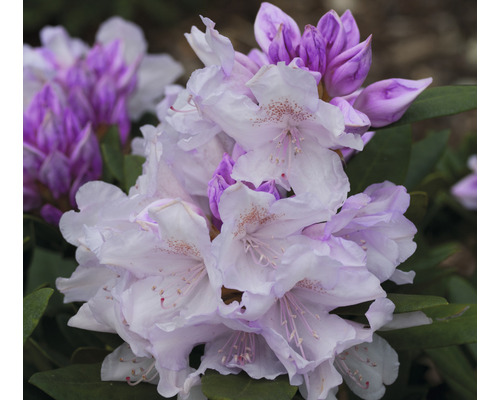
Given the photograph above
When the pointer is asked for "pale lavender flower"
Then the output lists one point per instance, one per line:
(287, 132)
(368, 367)
(375, 221)
(465, 191)
(256, 229)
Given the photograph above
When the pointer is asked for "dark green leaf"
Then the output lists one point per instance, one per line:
(424, 156)
(440, 101)
(112, 155)
(460, 290)
(242, 387)
(83, 382)
(410, 302)
(452, 324)
(385, 157)
(28, 234)
(46, 267)
(132, 165)
(418, 207)
(88, 355)
(43, 234)
(426, 258)
(34, 305)
(456, 370)
(403, 303)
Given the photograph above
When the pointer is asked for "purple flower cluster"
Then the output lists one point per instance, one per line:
(340, 63)
(72, 95)
(240, 234)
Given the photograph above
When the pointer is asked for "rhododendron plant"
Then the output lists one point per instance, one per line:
(275, 235)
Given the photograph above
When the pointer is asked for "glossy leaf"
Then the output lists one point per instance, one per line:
(425, 154)
(112, 155)
(452, 324)
(429, 257)
(242, 387)
(413, 302)
(34, 305)
(385, 157)
(440, 101)
(83, 382)
(46, 266)
(456, 370)
(132, 168)
(43, 234)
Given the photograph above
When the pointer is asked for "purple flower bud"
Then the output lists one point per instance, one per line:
(384, 102)
(355, 121)
(330, 26)
(280, 48)
(268, 187)
(57, 153)
(313, 49)
(51, 214)
(268, 22)
(351, 30)
(221, 181)
(349, 69)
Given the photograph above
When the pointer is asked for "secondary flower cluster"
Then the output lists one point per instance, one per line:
(72, 94)
(240, 235)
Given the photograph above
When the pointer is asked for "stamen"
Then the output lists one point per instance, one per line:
(262, 253)
(292, 312)
(355, 376)
(143, 375)
(239, 349)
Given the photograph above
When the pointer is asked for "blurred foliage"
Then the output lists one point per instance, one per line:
(81, 19)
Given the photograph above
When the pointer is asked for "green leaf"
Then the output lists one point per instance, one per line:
(425, 154)
(418, 207)
(34, 305)
(456, 370)
(385, 157)
(414, 302)
(132, 168)
(440, 101)
(242, 387)
(43, 234)
(403, 302)
(88, 355)
(83, 382)
(460, 290)
(112, 155)
(452, 324)
(429, 257)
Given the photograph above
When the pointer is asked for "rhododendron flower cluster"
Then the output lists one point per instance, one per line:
(72, 95)
(240, 234)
